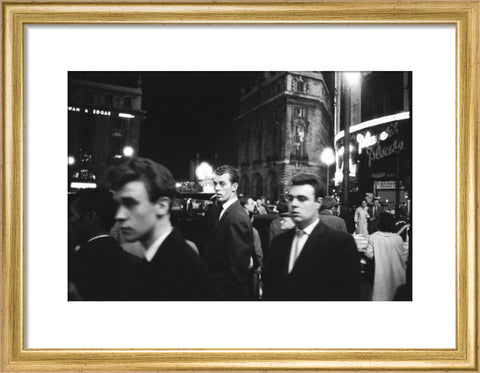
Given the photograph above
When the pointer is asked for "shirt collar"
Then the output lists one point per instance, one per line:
(152, 250)
(308, 229)
(227, 204)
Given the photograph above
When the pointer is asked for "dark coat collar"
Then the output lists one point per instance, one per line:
(227, 212)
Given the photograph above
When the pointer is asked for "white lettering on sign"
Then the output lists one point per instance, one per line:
(385, 184)
(380, 152)
(365, 141)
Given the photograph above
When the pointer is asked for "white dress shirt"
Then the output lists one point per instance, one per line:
(298, 243)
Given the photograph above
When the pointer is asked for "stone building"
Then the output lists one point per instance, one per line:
(103, 126)
(285, 120)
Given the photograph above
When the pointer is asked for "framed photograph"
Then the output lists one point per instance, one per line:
(213, 56)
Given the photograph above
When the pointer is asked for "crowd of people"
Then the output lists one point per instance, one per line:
(309, 253)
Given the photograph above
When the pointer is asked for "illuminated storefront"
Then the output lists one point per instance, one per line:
(379, 159)
(373, 113)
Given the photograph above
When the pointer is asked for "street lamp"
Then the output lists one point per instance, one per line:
(71, 160)
(128, 151)
(328, 157)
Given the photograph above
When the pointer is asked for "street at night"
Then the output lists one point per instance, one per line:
(326, 154)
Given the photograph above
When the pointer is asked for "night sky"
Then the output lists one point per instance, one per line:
(186, 112)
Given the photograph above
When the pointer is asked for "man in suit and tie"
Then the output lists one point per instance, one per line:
(374, 213)
(99, 269)
(170, 269)
(312, 261)
(230, 245)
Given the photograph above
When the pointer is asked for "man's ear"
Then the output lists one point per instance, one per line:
(163, 205)
(234, 186)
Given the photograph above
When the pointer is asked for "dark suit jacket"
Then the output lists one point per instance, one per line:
(102, 270)
(228, 252)
(327, 269)
(176, 272)
(335, 222)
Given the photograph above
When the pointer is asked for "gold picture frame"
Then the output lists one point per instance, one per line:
(15, 15)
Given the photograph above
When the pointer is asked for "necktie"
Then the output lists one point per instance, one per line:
(296, 250)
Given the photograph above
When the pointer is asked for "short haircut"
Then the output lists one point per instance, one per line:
(309, 179)
(100, 201)
(158, 180)
(386, 222)
(329, 203)
(282, 206)
(230, 170)
(243, 201)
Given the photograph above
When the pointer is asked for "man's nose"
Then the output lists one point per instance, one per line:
(121, 214)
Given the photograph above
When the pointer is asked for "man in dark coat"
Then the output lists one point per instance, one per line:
(170, 270)
(230, 246)
(328, 218)
(312, 261)
(99, 269)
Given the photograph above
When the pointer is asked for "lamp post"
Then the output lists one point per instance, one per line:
(349, 80)
(328, 157)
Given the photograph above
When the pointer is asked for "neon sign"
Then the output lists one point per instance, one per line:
(365, 141)
(380, 152)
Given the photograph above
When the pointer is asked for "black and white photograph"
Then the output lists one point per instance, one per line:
(239, 185)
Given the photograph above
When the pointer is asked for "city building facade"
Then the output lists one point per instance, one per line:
(284, 122)
(104, 123)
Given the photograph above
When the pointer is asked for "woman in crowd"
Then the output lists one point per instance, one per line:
(361, 218)
(387, 249)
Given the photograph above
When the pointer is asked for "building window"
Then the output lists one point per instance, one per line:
(108, 100)
(127, 102)
(117, 141)
(300, 112)
(300, 85)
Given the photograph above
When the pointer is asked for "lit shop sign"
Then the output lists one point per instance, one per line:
(78, 185)
(374, 123)
(385, 184)
(94, 111)
(100, 112)
(379, 152)
(125, 115)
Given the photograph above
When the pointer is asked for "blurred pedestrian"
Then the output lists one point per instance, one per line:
(361, 218)
(313, 261)
(99, 269)
(256, 258)
(328, 217)
(387, 249)
(260, 208)
(281, 223)
(230, 245)
(170, 269)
